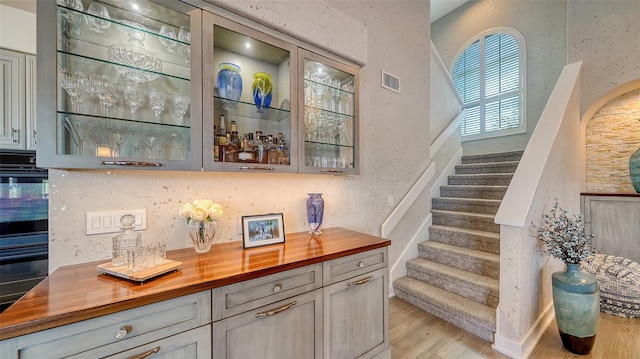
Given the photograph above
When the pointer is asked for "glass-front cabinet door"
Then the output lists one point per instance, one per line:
(329, 117)
(120, 84)
(249, 93)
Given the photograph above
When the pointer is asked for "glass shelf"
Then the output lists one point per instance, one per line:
(347, 90)
(245, 109)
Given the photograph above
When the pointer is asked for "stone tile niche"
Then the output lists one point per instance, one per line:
(613, 135)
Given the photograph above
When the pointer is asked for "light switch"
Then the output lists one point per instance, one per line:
(95, 222)
(109, 221)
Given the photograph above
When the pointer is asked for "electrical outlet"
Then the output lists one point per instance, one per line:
(109, 221)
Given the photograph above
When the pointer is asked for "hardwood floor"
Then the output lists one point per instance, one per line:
(415, 333)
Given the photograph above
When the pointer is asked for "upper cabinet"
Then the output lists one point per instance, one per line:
(249, 93)
(123, 84)
(169, 86)
(18, 72)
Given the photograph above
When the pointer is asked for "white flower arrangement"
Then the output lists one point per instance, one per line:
(565, 238)
(201, 210)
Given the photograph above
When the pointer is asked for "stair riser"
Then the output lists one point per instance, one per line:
(470, 192)
(451, 204)
(471, 264)
(472, 291)
(461, 320)
(501, 157)
(462, 221)
(479, 180)
(466, 240)
(480, 169)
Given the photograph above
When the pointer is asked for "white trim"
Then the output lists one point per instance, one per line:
(399, 268)
(444, 136)
(401, 209)
(524, 348)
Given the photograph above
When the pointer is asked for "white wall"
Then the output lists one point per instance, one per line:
(544, 27)
(394, 151)
(17, 29)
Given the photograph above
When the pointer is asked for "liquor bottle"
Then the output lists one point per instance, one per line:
(233, 126)
(222, 128)
(246, 153)
(272, 149)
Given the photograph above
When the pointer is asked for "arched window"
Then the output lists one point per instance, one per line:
(489, 75)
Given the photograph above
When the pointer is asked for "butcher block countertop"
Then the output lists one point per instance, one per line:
(79, 292)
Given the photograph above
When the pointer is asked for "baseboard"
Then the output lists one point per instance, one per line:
(399, 268)
(523, 348)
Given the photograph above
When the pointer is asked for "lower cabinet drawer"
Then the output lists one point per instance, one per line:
(290, 328)
(244, 296)
(116, 332)
(354, 265)
(192, 344)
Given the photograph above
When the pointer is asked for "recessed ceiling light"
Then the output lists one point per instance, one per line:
(247, 45)
(135, 6)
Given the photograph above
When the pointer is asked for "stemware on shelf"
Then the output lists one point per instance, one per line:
(184, 35)
(168, 37)
(139, 65)
(157, 99)
(134, 96)
(71, 16)
(100, 21)
(77, 87)
(180, 106)
(105, 89)
(136, 33)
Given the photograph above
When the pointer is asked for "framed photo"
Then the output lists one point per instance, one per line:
(262, 230)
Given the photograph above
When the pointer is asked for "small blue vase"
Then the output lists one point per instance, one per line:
(315, 212)
(229, 84)
(634, 169)
(576, 301)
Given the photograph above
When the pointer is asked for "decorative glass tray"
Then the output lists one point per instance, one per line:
(140, 276)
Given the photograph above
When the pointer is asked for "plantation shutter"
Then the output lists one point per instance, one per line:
(487, 77)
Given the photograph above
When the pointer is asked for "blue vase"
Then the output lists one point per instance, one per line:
(315, 212)
(229, 84)
(576, 301)
(634, 169)
(262, 90)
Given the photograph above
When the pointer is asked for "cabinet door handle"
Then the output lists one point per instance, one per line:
(276, 311)
(14, 132)
(148, 354)
(361, 281)
(261, 168)
(130, 163)
(35, 139)
(123, 332)
(332, 171)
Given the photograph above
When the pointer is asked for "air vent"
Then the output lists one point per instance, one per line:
(390, 82)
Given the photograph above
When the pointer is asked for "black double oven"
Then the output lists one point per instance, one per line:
(24, 224)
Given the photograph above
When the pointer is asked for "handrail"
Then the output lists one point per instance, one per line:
(520, 193)
(444, 136)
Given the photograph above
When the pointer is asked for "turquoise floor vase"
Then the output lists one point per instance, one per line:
(577, 304)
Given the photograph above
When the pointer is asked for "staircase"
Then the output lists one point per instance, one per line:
(455, 276)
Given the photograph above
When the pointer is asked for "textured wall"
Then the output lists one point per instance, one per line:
(543, 25)
(613, 134)
(605, 36)
(393, 154)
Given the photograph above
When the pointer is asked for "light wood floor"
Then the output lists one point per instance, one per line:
(415, 333)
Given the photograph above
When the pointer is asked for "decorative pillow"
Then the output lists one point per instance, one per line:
(619, 283)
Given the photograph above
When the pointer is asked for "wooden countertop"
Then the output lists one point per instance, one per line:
(78, 292)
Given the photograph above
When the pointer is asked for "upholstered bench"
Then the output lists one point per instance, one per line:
(619, 283)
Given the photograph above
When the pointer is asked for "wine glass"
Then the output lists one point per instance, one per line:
(157, 99)
(168, 33)
(134, 96)
(100, 20)
(135, 32)
(77, 87)
(184, 35)
(105, 89)
(181, 104)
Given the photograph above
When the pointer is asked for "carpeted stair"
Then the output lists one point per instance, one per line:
(456, 274)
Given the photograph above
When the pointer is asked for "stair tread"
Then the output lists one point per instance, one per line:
(474, 186)
(445, 299)
(483, 164)
(454, 272)
(460, 213)
(488, 174)
(461, 250)
(467, 230)
(467, 199)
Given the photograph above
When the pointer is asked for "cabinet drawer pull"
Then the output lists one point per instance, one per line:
(331, 170)
(262, 168)
(277, 288)
(276, 311)
(130, 163)
(361, 281)
(361, 264)
(14, 132)
(123, 332)
(148, 354)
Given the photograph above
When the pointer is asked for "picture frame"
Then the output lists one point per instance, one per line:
(262, 230)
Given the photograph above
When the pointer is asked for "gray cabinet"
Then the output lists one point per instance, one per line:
(356, 318)
(137, 330)
(195, 343)
(18, 72)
